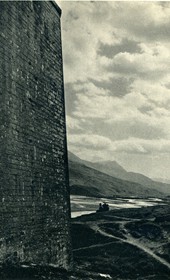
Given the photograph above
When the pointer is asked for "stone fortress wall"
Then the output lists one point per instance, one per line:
(34, 190)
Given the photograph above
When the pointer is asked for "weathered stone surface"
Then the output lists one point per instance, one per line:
(34, 192)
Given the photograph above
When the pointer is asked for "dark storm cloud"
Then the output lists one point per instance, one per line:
(121, 130)
(117, 86)
(146, 109)
(153, 32)
(125, 46)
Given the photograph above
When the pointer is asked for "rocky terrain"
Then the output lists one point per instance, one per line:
(124, 244)
(121, 244)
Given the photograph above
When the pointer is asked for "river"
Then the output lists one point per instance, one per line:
(83, 205)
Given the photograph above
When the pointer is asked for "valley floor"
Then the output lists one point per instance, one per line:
(121, 244)
(124, 244)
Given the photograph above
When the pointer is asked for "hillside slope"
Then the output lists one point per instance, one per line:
(112, 168)
(87, 181)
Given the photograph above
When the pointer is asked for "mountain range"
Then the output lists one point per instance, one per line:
(108, 179)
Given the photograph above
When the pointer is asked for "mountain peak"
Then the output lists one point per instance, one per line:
(114, 169)
(75, 158)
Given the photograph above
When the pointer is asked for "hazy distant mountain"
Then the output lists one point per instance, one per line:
(109, 167)
(74, 158)
(165, 181)
(85, 180)
(113, 169)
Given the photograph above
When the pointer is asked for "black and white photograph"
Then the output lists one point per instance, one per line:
(84, 140)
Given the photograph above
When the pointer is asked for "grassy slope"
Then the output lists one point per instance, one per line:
(112, 168)
(102, 245)
(88, 181)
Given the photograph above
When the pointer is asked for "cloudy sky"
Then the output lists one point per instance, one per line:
(117, 82)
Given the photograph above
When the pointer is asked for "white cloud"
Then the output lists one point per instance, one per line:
(130, 145)
(156, 93)
(134, 145)
(72, 124)
(105, 118)
(144, 113)
(89, 141)
(152, 63)
(86, 24)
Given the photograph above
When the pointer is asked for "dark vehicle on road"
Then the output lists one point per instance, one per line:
(103, 207)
